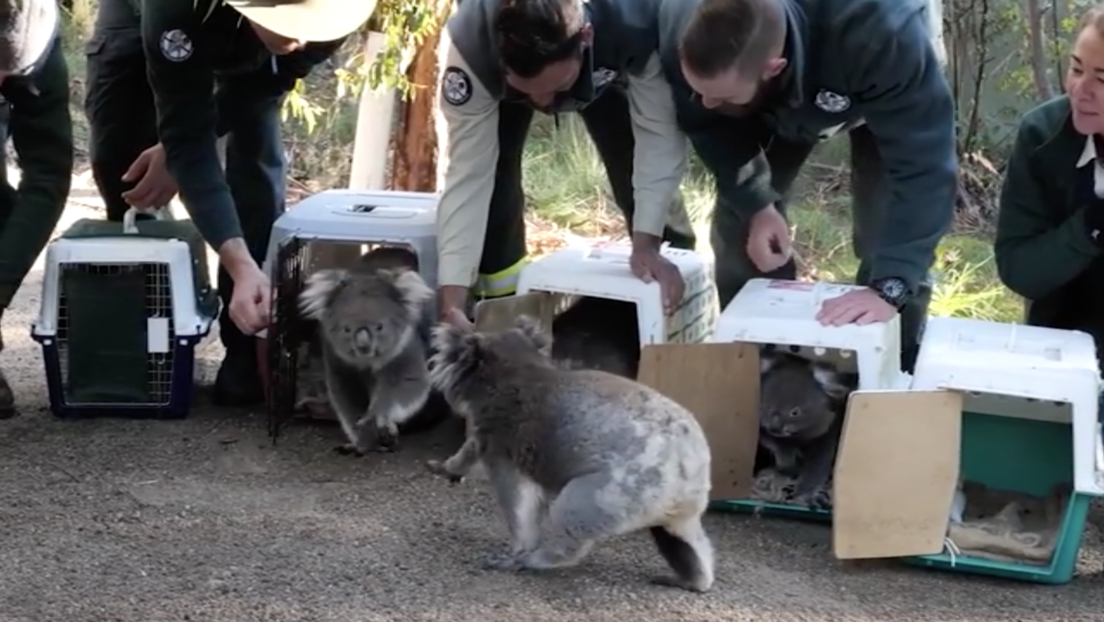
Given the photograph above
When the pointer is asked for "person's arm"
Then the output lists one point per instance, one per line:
(909, 109)
(1034, 257)
(182, 80)
(42, 134)
(471, 118)
(659, 151)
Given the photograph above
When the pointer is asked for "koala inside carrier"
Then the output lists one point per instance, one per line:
(121, 314)
(330, 229)
(295, 374)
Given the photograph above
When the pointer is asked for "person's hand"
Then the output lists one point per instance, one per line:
(451, 301)
(154, 187)
(649, 265)
(251, 302)
(861, 306)
(768, 244)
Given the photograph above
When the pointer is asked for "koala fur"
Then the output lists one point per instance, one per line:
(800, 420)
(370, 322)
(598, 454)
(598, 333)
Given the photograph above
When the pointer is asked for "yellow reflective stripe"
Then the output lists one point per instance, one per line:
(501, 283)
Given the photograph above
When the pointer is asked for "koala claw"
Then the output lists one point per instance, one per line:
(503, 562)
(438, 468)
(387, 440)
(349, 449)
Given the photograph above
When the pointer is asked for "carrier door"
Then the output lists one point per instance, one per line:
(896, 473)
(719, 384)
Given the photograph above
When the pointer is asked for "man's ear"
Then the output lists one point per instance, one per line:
(774, 67)
(587, 33)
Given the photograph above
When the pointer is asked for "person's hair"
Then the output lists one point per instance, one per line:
(1094, 17)
(727, 34)
(533, 34)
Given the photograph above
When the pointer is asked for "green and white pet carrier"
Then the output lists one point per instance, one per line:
(123, 307)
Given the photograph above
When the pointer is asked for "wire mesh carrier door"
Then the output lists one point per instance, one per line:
(286, 334)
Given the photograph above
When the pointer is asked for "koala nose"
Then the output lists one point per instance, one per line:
(776, 427)
(362, 340)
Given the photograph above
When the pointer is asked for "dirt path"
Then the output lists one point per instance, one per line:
(205, 520)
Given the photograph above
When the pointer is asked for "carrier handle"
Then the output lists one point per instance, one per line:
(159, 213)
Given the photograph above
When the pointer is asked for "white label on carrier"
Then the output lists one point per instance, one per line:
(157, 335)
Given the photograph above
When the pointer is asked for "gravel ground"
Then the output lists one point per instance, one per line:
(205, 520)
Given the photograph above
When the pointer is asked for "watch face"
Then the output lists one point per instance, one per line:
(894, 288)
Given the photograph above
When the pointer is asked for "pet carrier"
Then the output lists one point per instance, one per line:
(780, 316)
(123, 307)
(1020, 451)
(602, 271)
(319, 232)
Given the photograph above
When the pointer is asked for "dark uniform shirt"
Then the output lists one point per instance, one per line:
(189, 44)
(850, 61)
(1044, 247)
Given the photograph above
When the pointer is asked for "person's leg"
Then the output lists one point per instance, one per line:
(609, 124)
(255, 171)
(504, 248)
(870, 197)
(730, 229)
(7, 205)
(119, 104)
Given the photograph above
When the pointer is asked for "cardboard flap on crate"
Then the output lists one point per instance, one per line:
(719, 384)
(498, 314)
(896, 473)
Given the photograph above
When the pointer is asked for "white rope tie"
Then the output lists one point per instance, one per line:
(952, 550)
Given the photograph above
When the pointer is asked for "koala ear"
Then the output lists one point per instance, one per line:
(413, 290)
(837, 385)
(767, 360)
(455, 351)
(530, 327)
(319, 290)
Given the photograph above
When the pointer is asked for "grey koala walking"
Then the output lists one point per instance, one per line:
(371, 326)
(801, 407)
(600, 454)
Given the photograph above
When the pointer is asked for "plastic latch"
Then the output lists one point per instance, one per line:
(363, 208)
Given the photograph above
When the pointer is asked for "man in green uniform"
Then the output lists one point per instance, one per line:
(761, 82)
(34, 112)
(166, 79)
(506, 60)
(1050, 231)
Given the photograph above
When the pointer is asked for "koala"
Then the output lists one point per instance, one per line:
(370, 319)
(590, 454)
(800, 420)
(598, 333)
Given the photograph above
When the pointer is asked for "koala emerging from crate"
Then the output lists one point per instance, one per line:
(606, 454)
(372, 326)
(801, 406)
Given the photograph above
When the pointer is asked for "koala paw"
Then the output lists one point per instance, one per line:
(438, 468)
(502, 562)
(387, 438)
(349, 449)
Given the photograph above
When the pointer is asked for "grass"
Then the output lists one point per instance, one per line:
(566, 186)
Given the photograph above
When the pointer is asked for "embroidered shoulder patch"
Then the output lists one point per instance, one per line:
(832, 102)
(175, 45)
(456, 86)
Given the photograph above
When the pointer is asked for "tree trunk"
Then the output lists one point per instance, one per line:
(1036, 52)
(414, 148)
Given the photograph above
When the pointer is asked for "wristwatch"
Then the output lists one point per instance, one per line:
(893, 290)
